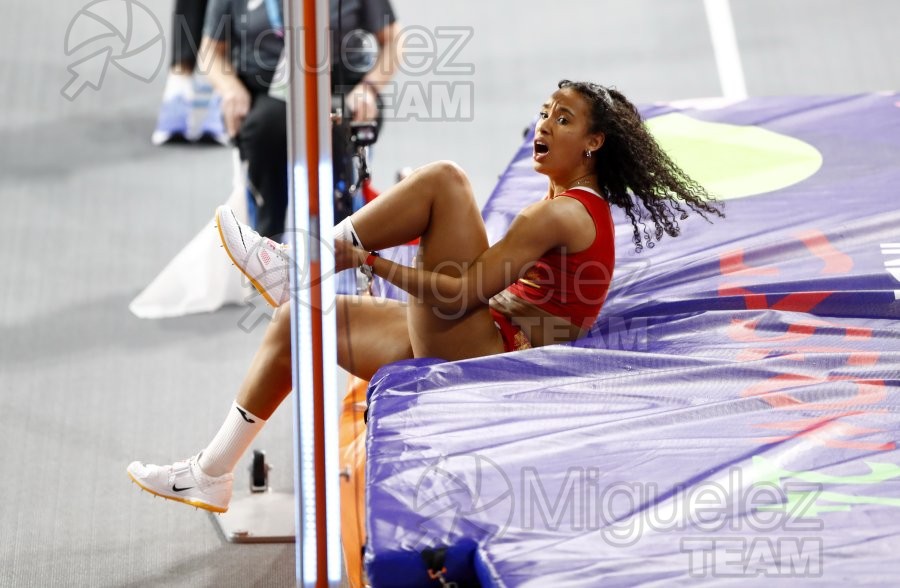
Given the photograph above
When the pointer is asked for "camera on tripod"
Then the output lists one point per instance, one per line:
(349, 146)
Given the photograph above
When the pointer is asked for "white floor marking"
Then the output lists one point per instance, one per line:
(725, 47)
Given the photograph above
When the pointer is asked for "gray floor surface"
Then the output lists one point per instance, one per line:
(91, 212)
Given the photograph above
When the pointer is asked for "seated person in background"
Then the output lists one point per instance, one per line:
(242, 43)
(543, 283)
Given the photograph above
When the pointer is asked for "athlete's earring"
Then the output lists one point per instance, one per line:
(587, 154)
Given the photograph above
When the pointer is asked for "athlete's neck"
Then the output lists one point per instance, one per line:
(587, 180)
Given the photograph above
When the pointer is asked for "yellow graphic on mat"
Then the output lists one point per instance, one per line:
(733, 161)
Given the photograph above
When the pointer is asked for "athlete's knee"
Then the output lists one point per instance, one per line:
(450, 173)
(450, 181)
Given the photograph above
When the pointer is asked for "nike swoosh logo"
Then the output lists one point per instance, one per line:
(177, 489)
(240, 232)
(244, 414)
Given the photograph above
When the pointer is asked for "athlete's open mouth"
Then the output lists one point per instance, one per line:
(540, 148)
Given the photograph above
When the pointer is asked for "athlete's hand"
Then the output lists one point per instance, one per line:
(346, 256)
(235, 106)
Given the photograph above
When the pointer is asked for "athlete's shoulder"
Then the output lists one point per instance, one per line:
(545, 221)
(590, 199)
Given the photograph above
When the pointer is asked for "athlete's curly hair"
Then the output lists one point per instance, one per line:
(633, 170)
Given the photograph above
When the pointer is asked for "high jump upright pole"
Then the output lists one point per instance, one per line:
(313, 324)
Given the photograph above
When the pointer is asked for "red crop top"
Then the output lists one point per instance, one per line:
(574, 286)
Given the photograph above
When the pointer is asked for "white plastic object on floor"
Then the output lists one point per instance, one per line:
(200, 278)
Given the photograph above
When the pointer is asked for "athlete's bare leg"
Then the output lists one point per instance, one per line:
(378, 336)
(435, 203)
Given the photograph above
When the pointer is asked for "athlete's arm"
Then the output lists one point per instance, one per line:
(536, 230)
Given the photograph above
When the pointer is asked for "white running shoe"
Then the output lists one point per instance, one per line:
(185, 482)
(262, 260)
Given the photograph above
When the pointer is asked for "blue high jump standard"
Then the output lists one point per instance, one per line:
(732, 416)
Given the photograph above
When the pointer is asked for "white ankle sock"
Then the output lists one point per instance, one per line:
(344, 231)
(231, 442)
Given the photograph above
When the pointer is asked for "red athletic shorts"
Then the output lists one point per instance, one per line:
(513, 337)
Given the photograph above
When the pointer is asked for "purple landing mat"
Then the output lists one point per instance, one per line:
(732, 417)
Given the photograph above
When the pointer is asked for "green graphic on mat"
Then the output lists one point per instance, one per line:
(824, 500)
(733, 161)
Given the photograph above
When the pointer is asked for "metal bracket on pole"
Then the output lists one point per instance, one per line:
(266, 517)
(258, 515)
